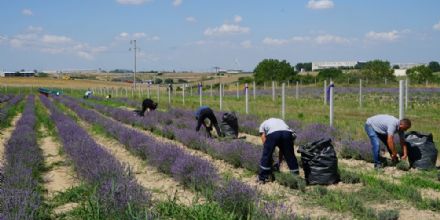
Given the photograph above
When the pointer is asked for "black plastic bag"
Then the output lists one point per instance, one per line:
(229, 125)
(422, 153)
(319, 162)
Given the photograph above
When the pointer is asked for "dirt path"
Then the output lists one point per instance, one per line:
(61, 175)
(5, 135)
(161, 186)
(290, 198)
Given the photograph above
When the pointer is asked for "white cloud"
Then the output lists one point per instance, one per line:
(139, 35)
(320, 4)
(238, 18)
(3, 39)
(52, 50)
(436, 26)
(34, 29)
(191, 19)
(279, 42)
(177, 2)
(85, 55)
(383, 36)
(226, 29)
(54, 39)
(27, 12)
(246, 44)
(132, 2)
(329, 39)
(275, 42)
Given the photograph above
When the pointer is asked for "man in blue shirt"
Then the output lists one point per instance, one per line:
(383, 127)
(275, 132)
(205, 116)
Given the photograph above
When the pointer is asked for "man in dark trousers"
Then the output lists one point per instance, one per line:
(148, 105)
(383, 127)
(275, 132)
(205, 115)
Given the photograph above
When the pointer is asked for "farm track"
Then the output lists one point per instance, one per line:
(61, 175)
(161, 186)
(290, 198)
(5, 135)
(407, 212)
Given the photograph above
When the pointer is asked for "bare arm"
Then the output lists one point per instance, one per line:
(390, 142)
(404, 148)
(263, 138)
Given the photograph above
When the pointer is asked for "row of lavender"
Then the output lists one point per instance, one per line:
(178, 119)
(4, 110)
(20, 197)
(177, 124)
(5, 97)
(117, 193)
(190, 170)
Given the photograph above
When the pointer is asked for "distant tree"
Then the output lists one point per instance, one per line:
(396, 67)
(434, 66)
(305, 66)
(246, 79)
(158, 81)
(330, 73)
(273, 69)
(419, 74)
(169, 81)
(377, 69)
(182, 81)
(41, 74)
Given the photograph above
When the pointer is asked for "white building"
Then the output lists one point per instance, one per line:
(333, 64)
(400, 72)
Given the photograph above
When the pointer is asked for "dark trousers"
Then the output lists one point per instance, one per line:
(208, 113)
(284, 141)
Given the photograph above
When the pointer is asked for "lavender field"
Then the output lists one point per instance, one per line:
(99, 140)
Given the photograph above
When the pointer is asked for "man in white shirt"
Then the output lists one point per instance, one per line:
(275, 132)
(383, 127)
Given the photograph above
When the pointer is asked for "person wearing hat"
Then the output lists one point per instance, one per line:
(205, 116)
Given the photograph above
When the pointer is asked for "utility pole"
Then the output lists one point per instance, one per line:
(134, 72)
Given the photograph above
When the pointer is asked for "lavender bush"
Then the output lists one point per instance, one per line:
(116, 191)
(189, 170)
(4, 111)
(20, 198)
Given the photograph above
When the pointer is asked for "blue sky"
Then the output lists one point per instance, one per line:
(196, 35)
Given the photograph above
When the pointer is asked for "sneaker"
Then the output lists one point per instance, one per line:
(378, 167)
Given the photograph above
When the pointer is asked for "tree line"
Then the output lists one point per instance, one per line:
(374, 70)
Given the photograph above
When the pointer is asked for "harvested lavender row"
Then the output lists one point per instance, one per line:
(170, 159)
(20, 198)
(116, 191)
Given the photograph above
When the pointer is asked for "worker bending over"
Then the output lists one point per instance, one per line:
(383, 127)
(148, 105)
(205, 116)
(275, 132)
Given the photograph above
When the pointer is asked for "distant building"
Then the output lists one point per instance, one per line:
(400, 72)
(333, 64)
(17, 74)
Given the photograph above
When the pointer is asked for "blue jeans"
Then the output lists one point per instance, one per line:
(374, 139)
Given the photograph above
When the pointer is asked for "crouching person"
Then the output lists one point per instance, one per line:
(205, 116)
(148, 105)
(275, 132)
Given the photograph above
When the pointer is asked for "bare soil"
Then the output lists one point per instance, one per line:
(5, 135)
(61, 176)
(406, 212)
